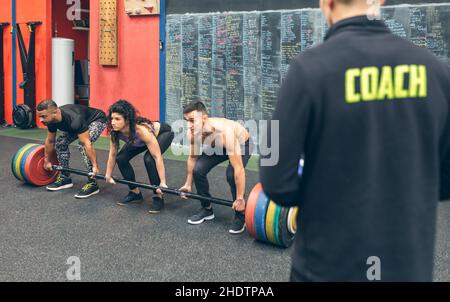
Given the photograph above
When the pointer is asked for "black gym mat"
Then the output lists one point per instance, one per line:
(40, 230)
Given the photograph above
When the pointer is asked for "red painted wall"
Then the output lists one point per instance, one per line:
(37, 10)
(5, 16)
(136, 78)
(64, 27)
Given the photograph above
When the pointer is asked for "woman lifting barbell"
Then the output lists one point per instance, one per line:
(139, 134)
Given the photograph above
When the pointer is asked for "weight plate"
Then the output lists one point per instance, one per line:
(250, 209)
(260, 216)
(270, 216)
(13, 162)
(22, 163)
(285, 236)
(276, 221)
(294, 220)
(18, 158)
(34, 167)
(291, 217)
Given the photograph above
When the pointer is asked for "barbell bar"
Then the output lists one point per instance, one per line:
(220, 201)
(265, 220)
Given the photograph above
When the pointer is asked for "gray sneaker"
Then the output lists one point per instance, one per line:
(157, 205)
(61, 183)
(89, 189)
(131, 198)
(202, 215)
(238, 225)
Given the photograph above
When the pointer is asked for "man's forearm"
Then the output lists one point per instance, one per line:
(90, 153)
(49, 149)
(239, 178)
(190, 168)
(160, 168)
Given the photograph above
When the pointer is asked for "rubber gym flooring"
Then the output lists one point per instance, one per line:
(40, 230)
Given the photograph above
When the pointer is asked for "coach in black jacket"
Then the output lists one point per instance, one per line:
(369, 111)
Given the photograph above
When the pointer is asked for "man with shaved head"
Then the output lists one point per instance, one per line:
(368, 112)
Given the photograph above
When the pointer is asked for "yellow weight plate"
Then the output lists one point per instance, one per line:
(21, 152)
(270, 217)
(292, 216)
(294, 221)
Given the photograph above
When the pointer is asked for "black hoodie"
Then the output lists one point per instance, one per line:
(369, 112)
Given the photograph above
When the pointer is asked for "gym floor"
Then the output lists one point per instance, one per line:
(40, 230)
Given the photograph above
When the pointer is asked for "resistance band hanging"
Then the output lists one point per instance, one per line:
(2, 77)
(24, 116)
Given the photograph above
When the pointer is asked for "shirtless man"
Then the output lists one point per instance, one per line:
(222, 140)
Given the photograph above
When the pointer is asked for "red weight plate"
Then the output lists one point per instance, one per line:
(250, 209)
(34, 168)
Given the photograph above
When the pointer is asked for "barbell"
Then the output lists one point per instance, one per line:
(265, 220)
(148, 186)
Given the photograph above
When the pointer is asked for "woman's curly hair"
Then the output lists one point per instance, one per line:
(130, 115)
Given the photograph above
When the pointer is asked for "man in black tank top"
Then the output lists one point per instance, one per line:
(75, 122)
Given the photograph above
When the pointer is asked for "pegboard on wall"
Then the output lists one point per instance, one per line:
(108, 33)
(142, 7)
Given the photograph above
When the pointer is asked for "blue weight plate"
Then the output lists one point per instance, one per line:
(260, 216)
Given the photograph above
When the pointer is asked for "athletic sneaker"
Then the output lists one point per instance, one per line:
(61, 183)
(89, 189)
(238, 225)
(157, 205)
(202, 215)
(131, 198)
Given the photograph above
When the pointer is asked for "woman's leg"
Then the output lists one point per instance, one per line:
(123, 161)
(164, 140)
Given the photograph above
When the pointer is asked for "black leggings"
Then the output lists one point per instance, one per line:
(128, 152)
(205, 163)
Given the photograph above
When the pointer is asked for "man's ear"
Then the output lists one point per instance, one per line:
(328, 4)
